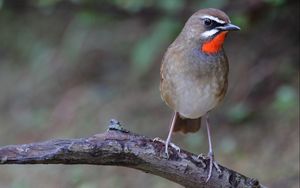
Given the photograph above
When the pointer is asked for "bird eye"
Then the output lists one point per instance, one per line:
(207, 22)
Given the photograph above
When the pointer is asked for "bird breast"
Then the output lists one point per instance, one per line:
(195, 97)
(192, 86)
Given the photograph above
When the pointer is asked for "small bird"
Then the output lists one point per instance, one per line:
(194, 73)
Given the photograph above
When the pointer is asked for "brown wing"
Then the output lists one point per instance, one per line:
(223, 79)
(166, 84)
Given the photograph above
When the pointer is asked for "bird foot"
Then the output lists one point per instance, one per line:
(212, 163)
(157, 139)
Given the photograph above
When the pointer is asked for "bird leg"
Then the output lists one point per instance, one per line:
(210, 152)
(168, 141)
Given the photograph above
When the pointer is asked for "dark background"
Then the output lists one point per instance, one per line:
(67, 67)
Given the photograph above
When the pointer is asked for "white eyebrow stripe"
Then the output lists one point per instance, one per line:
(213, 18)
(209, 33)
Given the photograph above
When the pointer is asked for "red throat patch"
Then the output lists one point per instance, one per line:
(214, 45)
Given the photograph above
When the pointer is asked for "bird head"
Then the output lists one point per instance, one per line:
(209, 27)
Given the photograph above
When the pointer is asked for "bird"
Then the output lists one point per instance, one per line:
(194, 74)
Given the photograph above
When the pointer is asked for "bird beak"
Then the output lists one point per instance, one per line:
(228, 27)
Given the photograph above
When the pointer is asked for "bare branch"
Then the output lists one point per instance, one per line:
(118, 147)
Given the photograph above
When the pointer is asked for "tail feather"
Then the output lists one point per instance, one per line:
(186, 125)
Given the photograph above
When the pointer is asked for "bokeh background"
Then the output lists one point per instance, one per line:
(67, 67)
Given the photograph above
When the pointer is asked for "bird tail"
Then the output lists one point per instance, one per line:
(186, 125)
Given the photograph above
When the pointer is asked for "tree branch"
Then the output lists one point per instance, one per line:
(119, 147)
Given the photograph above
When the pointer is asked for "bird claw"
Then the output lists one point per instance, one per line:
(201, 156)
(177, 148)
(212, 163)
(217, 167)
(157, 139)
(200, 160)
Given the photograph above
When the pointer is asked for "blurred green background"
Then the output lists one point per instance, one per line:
(67, 67)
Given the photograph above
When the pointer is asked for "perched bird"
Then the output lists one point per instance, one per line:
(194, 73)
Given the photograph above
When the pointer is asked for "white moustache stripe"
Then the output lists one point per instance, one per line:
(209, 33)
(213, 18)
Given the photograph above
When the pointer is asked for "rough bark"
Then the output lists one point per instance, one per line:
(118, 147)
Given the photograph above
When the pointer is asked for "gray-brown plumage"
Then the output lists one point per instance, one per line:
(193, 82)
(194, 72)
